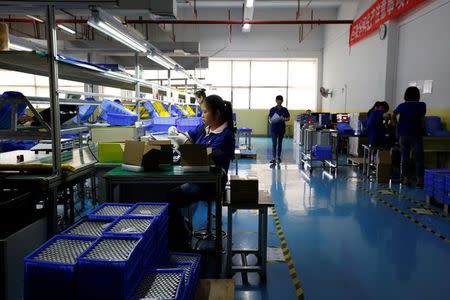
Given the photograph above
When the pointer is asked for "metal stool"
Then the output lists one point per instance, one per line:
(264, 202)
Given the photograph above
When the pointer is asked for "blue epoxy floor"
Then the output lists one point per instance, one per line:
(345, 243)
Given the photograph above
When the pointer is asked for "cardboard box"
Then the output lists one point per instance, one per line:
(383, 157)
(116, 134)
(215, 289)
(148, 155)
(383, 173)
(243, 189)
(110, 152)
(195, 155)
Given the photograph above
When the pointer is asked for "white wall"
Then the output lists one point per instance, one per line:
(417, 47)
(424, 47)
(355, 75)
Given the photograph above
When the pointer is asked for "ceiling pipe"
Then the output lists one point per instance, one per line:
(206, 22)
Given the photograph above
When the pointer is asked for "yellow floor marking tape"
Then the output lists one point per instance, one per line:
(288, 257)
(377, 197)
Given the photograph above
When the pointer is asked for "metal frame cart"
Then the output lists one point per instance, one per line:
(306, 157)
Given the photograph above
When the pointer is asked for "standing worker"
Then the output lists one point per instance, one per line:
(410, 129)
(278, 116)
(376, 129)
(200, 96)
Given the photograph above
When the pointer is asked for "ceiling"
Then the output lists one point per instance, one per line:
(116, 52)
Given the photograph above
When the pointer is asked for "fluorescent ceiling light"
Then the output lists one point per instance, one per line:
(67, 29)
(246, 27)
(160, 60)
(19, 48)
(117, 35)
(249, 3)
(35, 18)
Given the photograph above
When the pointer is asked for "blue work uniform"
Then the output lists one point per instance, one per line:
(277, 130)
(199, 111)
(376, 131)
(410, 129)
(222, 144)
(279, 127)
(410, 122)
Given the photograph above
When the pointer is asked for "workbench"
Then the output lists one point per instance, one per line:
(43, 183)
(117, 178)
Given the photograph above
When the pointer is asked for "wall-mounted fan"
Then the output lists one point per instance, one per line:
(325, 92)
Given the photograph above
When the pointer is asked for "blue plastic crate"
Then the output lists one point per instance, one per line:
(165, 121)
(321, 152)
(150, 109)
(160, 284)
(116, 114)
(120, 120)
(88, 227)
(50, 271)
(446, 199)
(187, 124)
(110, 268)
(139, 227)
(190, 121)
(151, 209)
(110, 211)
(180, 259)
(191, 276)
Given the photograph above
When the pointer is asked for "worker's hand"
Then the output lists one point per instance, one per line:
(172, 131)
(24, 119)
(179, 139)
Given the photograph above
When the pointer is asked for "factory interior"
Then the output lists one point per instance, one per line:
(208, 149)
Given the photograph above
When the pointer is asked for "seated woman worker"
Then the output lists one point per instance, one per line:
(218, 133)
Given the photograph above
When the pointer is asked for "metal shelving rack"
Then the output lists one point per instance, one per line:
(51, 65)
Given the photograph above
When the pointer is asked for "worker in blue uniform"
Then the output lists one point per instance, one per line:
(200, 96)
(375, 125)
(278, 115)
(218, 132)
(410, 118)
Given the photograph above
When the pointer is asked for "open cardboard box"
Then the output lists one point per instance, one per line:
(150, 155)
(195, 155)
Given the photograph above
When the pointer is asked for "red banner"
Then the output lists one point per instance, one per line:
(377, 14)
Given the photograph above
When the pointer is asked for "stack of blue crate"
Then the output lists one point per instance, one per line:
(50, 270)
(161, 212)
(139, 227)
(110, 268)
(434, 182)
(107, 256)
